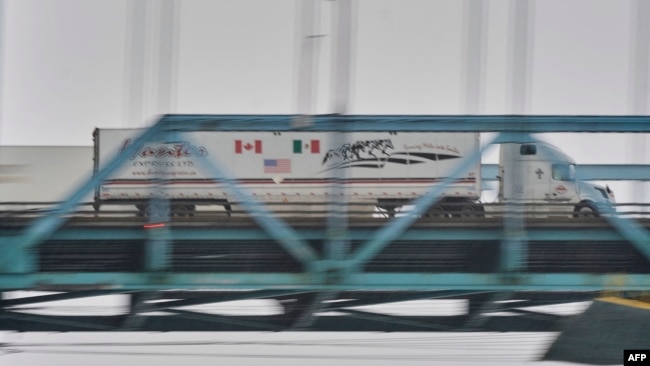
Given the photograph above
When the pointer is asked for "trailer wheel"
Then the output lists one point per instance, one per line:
(585, 209)
(473, 210)
(438, 211)
(142, 210)
(155, 212)
(182, 210)
(388, 210)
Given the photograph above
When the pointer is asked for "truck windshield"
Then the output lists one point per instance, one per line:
(564, 172)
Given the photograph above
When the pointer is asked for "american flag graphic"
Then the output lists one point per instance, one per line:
(277, 165)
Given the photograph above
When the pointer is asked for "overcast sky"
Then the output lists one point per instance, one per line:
(69, 66)
(66, 64)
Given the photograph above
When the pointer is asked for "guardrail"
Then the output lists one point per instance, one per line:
(309, 209)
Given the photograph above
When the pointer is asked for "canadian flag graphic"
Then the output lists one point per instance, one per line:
(243, 146)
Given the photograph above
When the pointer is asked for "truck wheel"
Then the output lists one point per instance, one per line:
(183, 210)
(190, 210)
(142, 210)
(585, 209)
(473, 210)
(388, 210)
(155, 212)
(438, 211)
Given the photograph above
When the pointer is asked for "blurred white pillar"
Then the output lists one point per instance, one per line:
(308, 54)
(639, 47)
(474, 56)
(342, 51)
(514, 246)
(168, 39)
(520, 51)
(151, 58)
(639, 83)
(2, 58)
(135, 62)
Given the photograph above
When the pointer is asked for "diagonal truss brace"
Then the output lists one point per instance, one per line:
(629, 228)
(22, 259)
(45, 226)
(513, 255)
(288, 238)
(398, 225)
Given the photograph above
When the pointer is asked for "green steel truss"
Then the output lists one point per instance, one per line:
(328, 261)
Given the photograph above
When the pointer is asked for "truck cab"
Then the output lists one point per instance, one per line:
(542, 175)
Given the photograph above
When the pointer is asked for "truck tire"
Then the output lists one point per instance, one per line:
(473, 210)
(155, 212)
(585, 209)
(438, 211)
(183, 210)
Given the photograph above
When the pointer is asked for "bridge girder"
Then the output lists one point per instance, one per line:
(325, 271)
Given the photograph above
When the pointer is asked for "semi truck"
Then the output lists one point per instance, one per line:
(386, 170)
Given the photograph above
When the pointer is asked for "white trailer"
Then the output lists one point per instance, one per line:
(33, 174)
(387, 169)
(384, 169)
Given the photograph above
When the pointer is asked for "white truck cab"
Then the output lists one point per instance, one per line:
(541, 174)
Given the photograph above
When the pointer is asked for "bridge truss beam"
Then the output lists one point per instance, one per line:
(321, 271)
